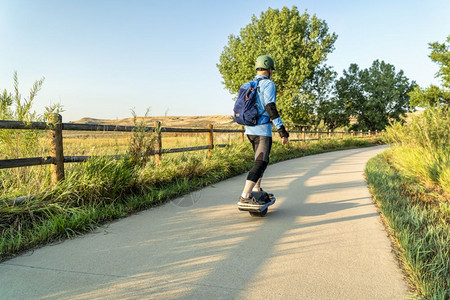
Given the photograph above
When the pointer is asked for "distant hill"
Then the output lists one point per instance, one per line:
(219, 121)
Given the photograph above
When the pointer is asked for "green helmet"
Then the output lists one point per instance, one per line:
(264, 62)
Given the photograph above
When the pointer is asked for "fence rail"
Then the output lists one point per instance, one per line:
(57, 158)
(97, 127)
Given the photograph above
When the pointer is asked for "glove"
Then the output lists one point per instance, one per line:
(282, 132)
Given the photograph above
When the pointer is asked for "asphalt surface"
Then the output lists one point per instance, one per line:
(322, 239)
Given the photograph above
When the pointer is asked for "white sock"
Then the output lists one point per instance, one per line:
(257, 186)
(248, 188)
(244, 195)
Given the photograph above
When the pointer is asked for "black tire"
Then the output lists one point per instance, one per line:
(258, 213)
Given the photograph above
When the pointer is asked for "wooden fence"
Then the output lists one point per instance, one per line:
(57, 158)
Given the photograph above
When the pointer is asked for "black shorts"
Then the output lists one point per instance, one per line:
(261, 146)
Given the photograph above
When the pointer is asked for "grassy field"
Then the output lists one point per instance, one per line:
(27, 143)
(95, 143)
(103, 189)
(411, 185)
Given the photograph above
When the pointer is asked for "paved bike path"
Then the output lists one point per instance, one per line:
(322, 239)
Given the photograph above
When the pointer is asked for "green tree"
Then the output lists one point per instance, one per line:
(327, 109)
(333, 113)
(299, 44)
(434, 95)
(430, 96)
(440, 54)
(320, 90)
(374, 96)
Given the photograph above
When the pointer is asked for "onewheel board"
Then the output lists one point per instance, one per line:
(256, 210)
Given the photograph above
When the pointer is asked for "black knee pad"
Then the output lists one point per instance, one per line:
(257, 171)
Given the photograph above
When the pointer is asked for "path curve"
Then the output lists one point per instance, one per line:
(323, 239)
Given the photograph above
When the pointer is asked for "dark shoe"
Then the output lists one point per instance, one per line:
(250, 201)
(261, 190)
(262, 197)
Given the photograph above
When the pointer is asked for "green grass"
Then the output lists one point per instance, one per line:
(420, 223)
(103, 189)
(411, 185)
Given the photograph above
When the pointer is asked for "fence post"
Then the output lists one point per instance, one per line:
(210, 139)
(361, 133)
(243, 134)
(369, 132)
(376, 132)
(352, 133)
(57, 149)
(329, 133)
(303, 134)
(157, 125)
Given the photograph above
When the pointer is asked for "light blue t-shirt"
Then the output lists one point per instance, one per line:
(266, 94)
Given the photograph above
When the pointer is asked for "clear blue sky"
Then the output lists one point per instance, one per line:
(102, 58)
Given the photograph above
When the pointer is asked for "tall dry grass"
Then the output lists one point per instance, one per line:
(422, 148)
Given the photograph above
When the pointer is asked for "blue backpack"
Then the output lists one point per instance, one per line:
(245, 107)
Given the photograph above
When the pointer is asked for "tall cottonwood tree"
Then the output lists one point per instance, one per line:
(299, 44)
(374, 96)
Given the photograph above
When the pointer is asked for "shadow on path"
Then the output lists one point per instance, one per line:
(210, 249)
